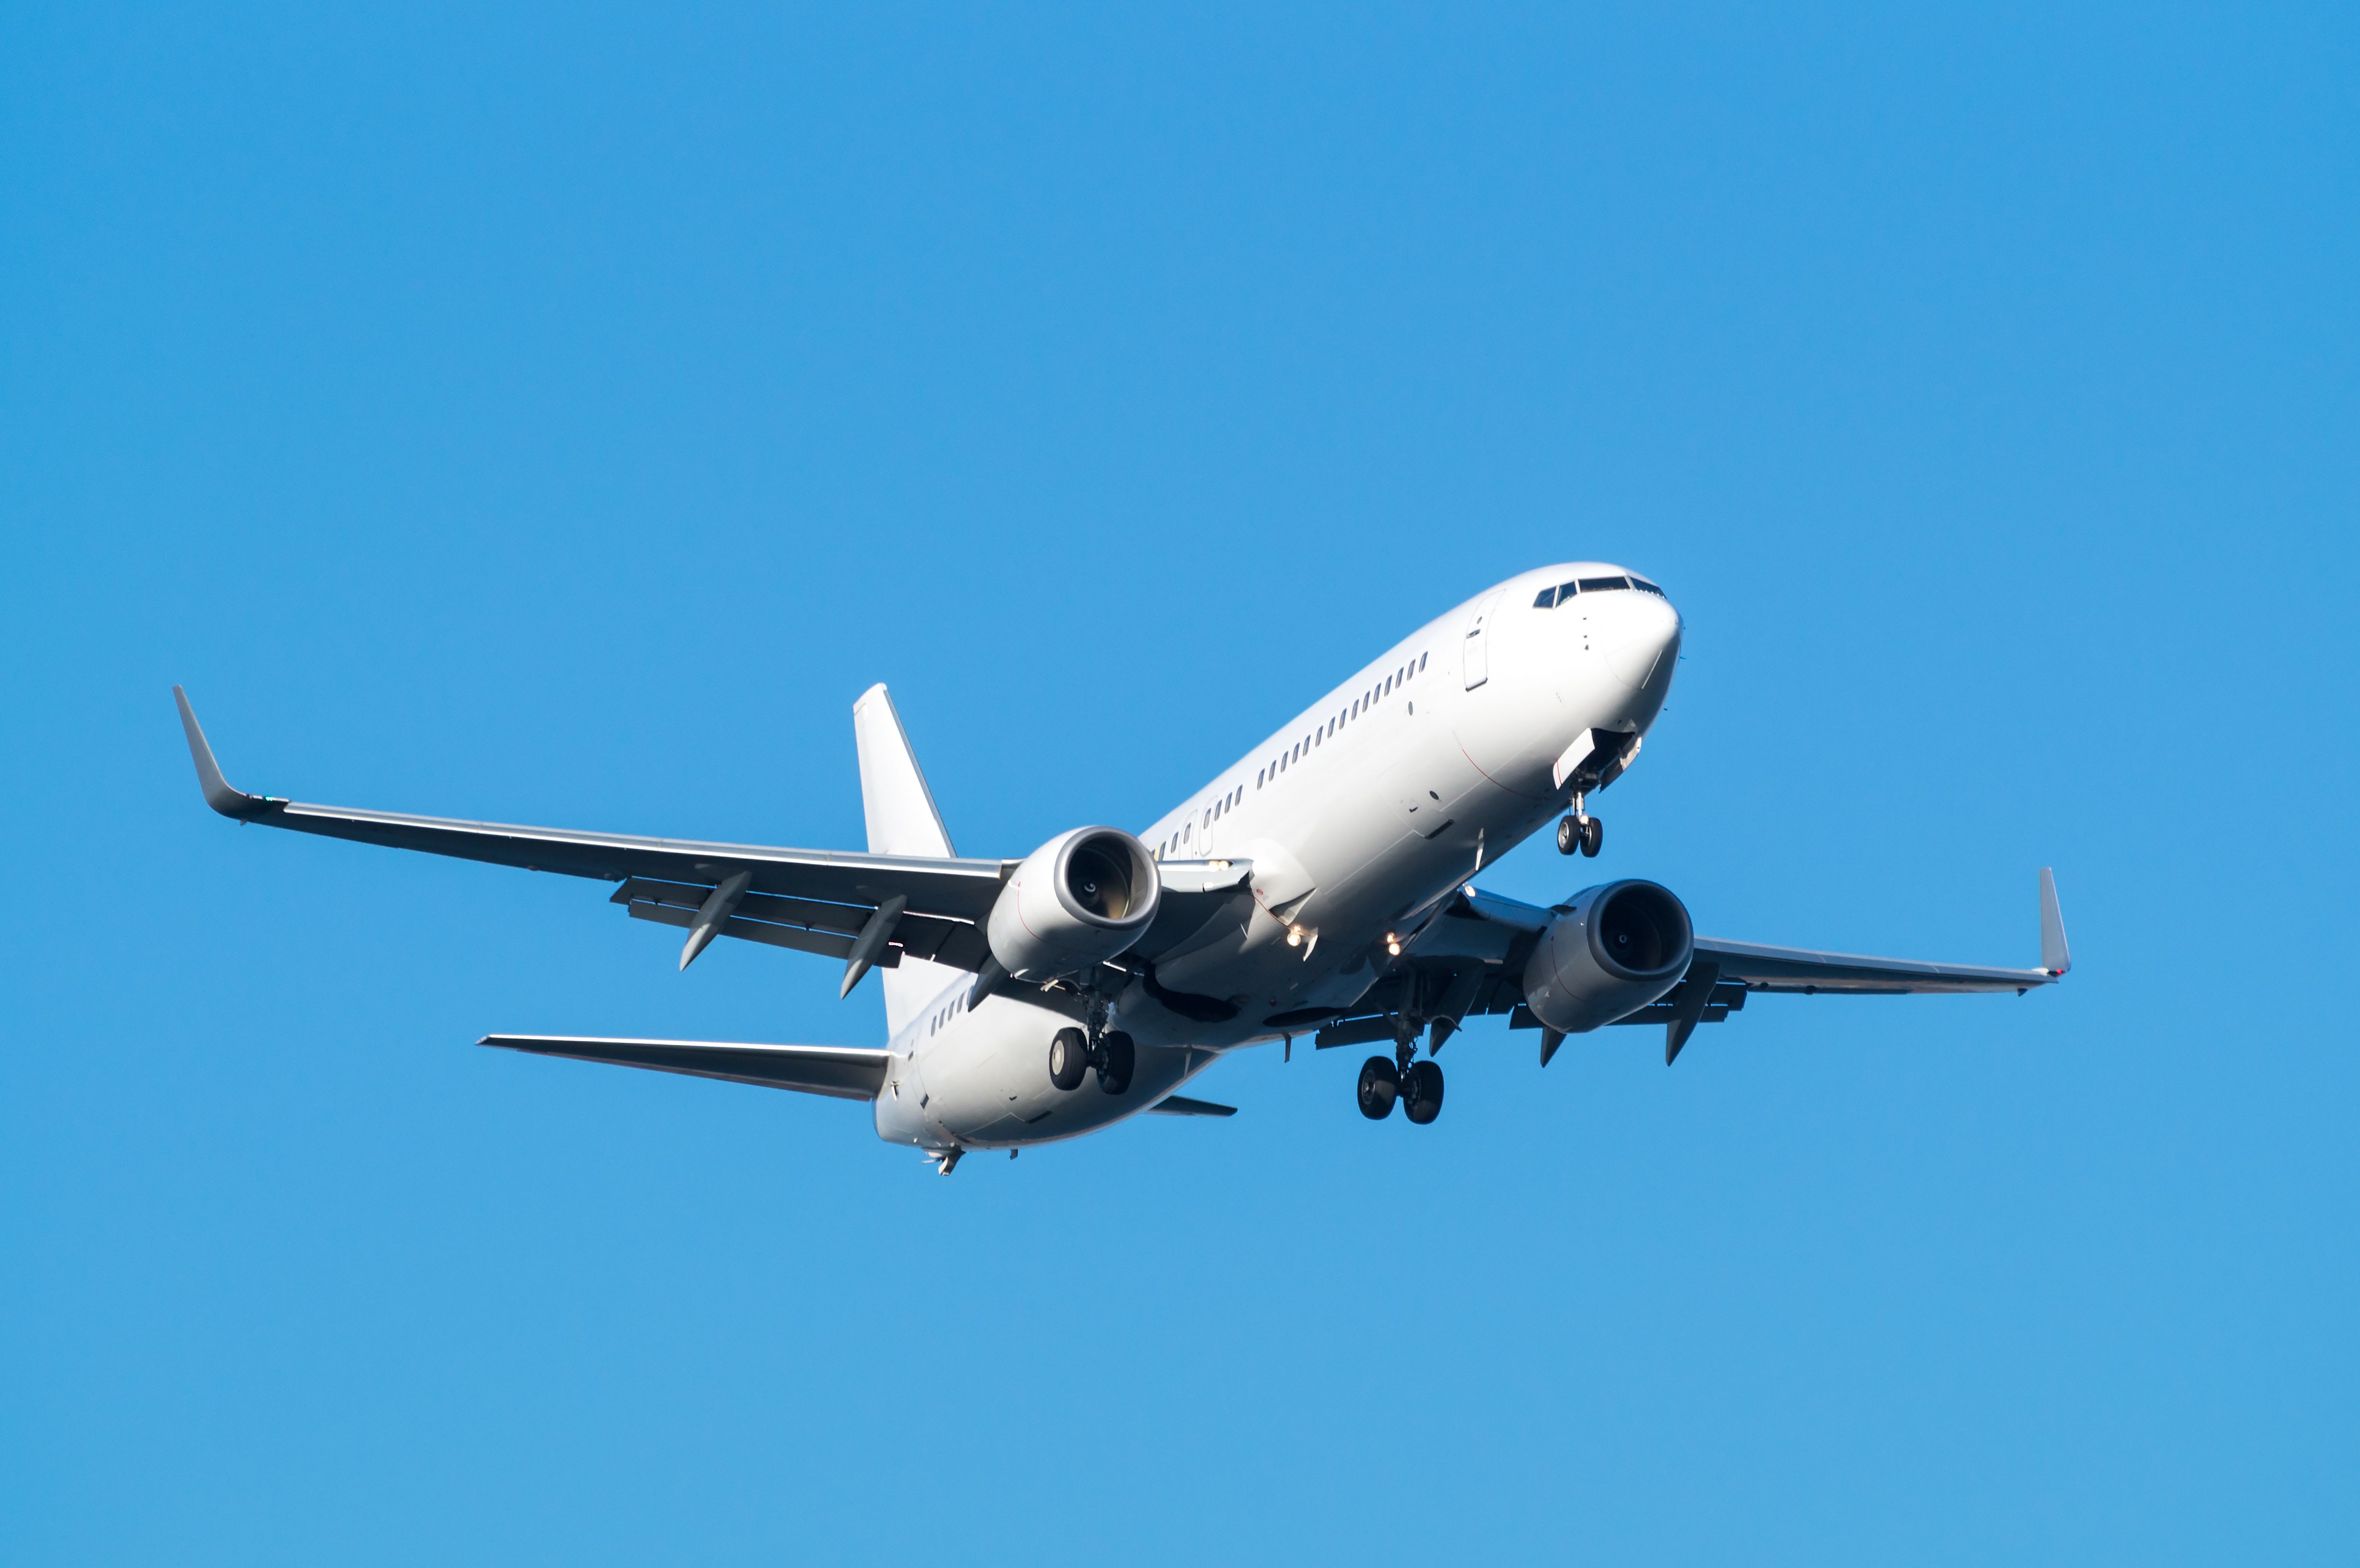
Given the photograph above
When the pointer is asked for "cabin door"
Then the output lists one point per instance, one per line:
(1474, 658)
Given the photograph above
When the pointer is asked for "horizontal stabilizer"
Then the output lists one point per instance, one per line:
(841, 1072)
(1182, 1106)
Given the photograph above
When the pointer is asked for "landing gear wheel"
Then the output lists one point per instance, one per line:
(1593, 833)
(1568, 836)
(1380, 1086)
(1420, 1093)
(1116, 1057)
(1069, 1058)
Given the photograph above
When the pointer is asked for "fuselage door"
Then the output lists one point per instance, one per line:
(1474, 658)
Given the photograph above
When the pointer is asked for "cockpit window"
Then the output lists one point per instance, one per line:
(1600, 585)
(1567, 590)
(1645, 586)
(1546, 600)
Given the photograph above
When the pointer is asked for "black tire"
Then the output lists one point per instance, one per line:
(1069, 1055)
(1421, 1092)
(1380, 1087)
(1593, 834)
(1568, 836)
(1117, 1058)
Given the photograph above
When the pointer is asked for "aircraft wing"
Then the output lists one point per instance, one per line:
(1469, 959)
(871, 910)
(1803, 970)
(840, 1072)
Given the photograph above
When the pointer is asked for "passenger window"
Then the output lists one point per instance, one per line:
(1421, 661)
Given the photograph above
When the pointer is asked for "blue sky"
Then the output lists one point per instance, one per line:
(560, 416)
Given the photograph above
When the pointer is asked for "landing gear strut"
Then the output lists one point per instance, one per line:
(1579, 833)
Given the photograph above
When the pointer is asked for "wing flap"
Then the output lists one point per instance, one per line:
(809, 925)
(839, 1072)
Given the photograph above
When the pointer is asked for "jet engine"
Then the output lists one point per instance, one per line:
(1076, 901)
(1609, 953)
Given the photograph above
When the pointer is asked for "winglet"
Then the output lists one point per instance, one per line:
(229, 803)
(2055, 956)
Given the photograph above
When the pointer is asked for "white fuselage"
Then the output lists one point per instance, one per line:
(1359, 817)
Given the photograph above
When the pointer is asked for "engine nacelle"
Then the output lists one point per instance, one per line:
(1076, 901)
(1608, 954)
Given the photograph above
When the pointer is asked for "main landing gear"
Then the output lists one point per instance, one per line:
(1071, 1055)
(1579, 833)
(1417, 1084)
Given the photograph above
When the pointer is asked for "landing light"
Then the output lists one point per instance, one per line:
(1393, 944)
(1294, 936)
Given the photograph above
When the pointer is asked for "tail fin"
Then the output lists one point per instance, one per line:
(902, 820)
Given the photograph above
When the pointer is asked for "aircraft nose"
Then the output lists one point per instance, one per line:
(1641, 640)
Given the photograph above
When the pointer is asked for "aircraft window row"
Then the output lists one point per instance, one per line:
(1328, 727)
(1211, 814)
(944, 1014)
(1549, 598)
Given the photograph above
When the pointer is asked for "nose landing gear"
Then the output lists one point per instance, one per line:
(1579, 833)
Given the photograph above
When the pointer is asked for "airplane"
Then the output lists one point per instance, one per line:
(1322, 885)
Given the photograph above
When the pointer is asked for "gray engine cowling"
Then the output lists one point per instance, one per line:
(1076, 901)
(1612, 950)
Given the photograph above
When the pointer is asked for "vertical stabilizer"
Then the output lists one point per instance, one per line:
(902, 821)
